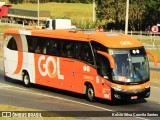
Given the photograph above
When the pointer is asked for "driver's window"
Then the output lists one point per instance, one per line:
(103, 67)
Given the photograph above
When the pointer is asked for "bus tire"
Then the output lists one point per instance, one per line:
(26, 80)
(90, 95)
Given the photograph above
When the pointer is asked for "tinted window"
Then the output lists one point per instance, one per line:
(67, 48)
(60, 47)
(97, 46)
(42, 45)
(31, 40)
(52, 47)
(12, 44)
(103, 67)
(84, 52)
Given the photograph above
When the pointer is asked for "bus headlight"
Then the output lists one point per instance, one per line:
(117, 96)
(147, 87)
(117, 89)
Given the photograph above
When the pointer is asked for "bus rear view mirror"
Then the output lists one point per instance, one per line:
(110, 58)
(155, 58)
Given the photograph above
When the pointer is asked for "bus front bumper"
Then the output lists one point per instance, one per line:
(130, 95)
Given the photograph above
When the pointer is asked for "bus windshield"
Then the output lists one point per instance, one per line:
(131, 65)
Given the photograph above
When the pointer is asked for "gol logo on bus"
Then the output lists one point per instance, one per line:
(49, 66)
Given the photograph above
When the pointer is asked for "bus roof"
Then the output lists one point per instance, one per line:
(108, 39)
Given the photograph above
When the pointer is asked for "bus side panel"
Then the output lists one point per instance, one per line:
(86, 73)
(45, 70)
(12, 57)
(66, 73)
(10, 63)
(104, 89)
(29, 65)
(54, 72)
(83, 73)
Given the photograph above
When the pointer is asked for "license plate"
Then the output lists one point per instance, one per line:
(134, 97)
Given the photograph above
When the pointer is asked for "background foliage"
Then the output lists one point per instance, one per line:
(142, 13)
(111, 13)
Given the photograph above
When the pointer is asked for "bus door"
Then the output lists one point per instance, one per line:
(66, 74)
(67, 62)
(104, 70)
(103, 67)
(84, 70)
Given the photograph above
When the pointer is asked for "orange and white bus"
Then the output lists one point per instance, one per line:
(98, 64)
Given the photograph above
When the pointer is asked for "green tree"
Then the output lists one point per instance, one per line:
(136, 10)
(142, 13)
(16, 1)
(112, 12)
(151, 16)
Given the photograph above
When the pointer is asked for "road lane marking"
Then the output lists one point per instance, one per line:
(23, 90)
(4, 85)
(51, 96)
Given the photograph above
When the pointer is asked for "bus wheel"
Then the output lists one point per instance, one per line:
(26, 80)
(90, 93)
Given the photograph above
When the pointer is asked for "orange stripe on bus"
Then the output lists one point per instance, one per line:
(20, 62)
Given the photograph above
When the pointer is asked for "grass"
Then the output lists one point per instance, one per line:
(80, 14)
(156, 52)
(74, 11)
(150, 42)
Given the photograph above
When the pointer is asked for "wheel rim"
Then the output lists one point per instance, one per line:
(26, 80)
(90, 93)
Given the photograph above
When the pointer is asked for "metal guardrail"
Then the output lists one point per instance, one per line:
(147, 33)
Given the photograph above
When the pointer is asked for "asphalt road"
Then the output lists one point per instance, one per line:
(49, 99)
(152, 67)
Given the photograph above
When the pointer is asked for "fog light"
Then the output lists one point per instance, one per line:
(117, 96)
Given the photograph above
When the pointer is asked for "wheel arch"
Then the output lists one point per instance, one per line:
(24, 71)
(89, 83)
(32, 76)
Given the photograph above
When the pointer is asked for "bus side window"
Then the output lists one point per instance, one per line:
(40, 45)
(97, 46)
(86, 53)
(31, 43)
(78, 50)
(103, 67)
(69, 52)
(67, 49)
(12, 44)
(52, 47)
(38, 50)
